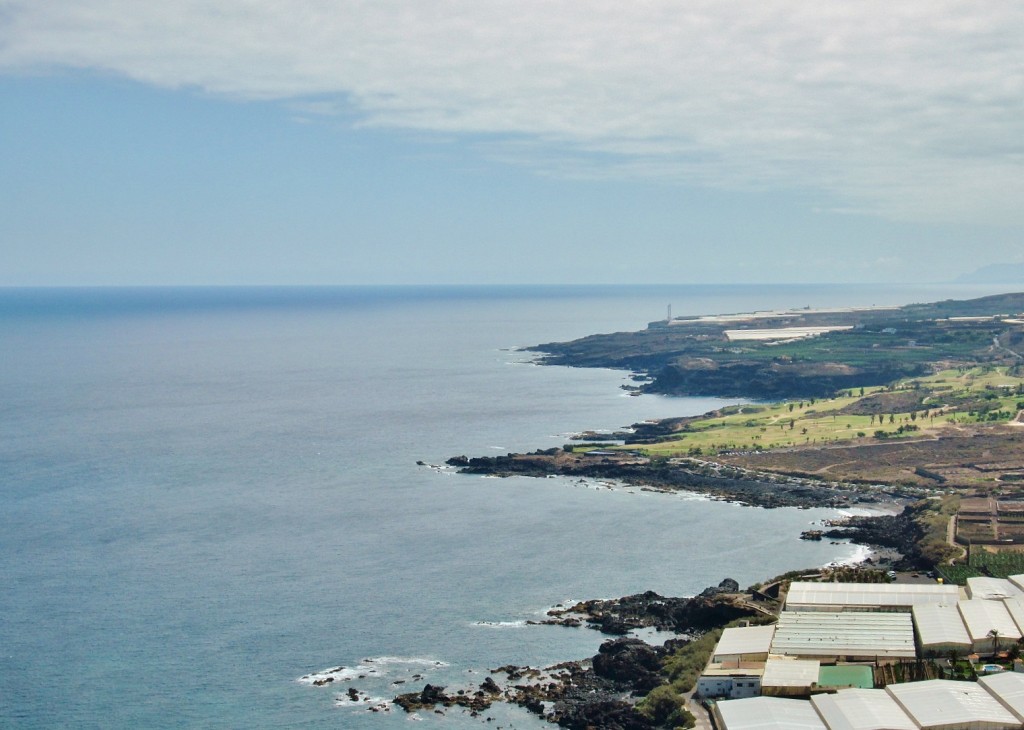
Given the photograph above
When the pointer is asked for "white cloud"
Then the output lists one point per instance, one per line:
(911, 110)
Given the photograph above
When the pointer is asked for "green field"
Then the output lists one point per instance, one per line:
(946, 398)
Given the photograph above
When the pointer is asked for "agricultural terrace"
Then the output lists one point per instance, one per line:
(910, 408)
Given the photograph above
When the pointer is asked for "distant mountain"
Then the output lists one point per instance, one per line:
(994, 274)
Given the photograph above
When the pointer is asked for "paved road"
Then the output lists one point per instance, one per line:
(694, 706)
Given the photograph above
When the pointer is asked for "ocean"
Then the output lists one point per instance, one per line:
(211, 495)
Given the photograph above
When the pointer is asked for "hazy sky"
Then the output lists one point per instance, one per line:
(482, 141)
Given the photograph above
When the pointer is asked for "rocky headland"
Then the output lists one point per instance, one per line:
(614, 688)
(677, 474)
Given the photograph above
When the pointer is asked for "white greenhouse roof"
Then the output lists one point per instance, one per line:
(940, 624)
(1015, 607)
(992, 589)
(941, 703)
(981, 617)
(1008, 688)
(769, 713)
(826, 633)
(862, 709)
(745, 640)
(853, 595)
(786, 672)
(1018, 580)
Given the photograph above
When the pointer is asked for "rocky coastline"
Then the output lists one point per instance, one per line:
(608, 689)
(712, 479)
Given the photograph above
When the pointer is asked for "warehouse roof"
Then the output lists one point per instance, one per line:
(938, 703)
(1015, 607)
(826, 633)
(745, 640)
(862, 709)
(940, 623)
(992, 589)
(853, 595)
(1008, 688)
(981, 617)
(787, 672)
(769, 713)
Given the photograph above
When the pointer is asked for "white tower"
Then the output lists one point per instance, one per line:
(669, 318)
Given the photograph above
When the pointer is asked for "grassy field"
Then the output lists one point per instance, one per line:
(937, 402)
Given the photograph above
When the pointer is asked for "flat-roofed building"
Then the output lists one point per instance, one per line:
(862, 709)
(1008, 688)
(849, 636)
(730, 682)
(789, 677)
(1017, 580)
(989, 625)
(940, 630)
(744, 644)
(942, 704)
(867, 596)
(991, 589)
(767, 713)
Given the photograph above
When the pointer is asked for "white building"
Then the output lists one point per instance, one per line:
(1008, 688)
(789, 677)
(744, 644)
(862, 709)
(845, 636)
(941, 704)
(732, 683)
(989, 625)
(940, 630)
(767, 713)
(867, 596)
(1015, 607)
(991, 589)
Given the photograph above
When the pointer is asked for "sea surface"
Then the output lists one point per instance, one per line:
(207, 495)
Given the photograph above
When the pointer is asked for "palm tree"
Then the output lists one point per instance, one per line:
(994, 633)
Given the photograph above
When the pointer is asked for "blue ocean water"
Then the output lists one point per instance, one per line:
(208, 494)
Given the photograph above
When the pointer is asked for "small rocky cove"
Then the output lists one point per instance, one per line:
(602, 691)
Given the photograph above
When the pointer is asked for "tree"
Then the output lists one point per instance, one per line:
(994, 633)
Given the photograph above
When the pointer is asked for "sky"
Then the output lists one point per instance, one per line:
(209, 142)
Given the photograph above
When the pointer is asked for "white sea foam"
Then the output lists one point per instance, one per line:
(860, 554)
(363, 702)
(341, 674)
(370, 667)
(500, 624)
(405, 661)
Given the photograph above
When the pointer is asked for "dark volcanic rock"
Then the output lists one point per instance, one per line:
(651, 610)
(729, 585)
(686, 474)
(606, 714)
(630, 661)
